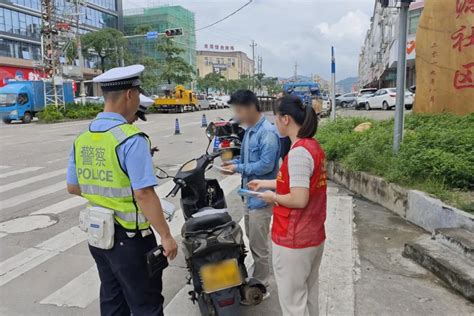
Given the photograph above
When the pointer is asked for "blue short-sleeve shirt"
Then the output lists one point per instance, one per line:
(134, 154)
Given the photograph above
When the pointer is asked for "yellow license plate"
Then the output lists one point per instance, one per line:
(219, 276)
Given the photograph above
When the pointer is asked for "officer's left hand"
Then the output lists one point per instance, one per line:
(228, 169)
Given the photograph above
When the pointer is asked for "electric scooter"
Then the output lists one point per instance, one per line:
(212, 242)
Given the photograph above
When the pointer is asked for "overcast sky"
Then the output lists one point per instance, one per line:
(286, 31)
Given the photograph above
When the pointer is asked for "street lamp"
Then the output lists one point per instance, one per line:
(401, 68)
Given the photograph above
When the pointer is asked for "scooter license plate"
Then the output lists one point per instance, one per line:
(220, 276)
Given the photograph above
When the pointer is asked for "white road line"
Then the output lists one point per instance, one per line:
(84, 289)
(32, 195)
(3, 235)
(4, 167)
(57, 160)
(61, 206)
(79, 292)
(336, 284)
(19, 171)
(30, 258)
(41, 177)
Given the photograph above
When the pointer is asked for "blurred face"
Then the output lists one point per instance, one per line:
(132, 101)
(246, 115)
(282, 122)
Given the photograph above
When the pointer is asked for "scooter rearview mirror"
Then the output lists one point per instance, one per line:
(211, 131)
(161, 174)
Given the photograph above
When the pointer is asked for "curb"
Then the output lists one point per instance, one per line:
(415, 206)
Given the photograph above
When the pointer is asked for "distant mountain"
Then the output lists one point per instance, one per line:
(346, 85)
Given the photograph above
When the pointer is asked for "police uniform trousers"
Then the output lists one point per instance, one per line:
(125, 285)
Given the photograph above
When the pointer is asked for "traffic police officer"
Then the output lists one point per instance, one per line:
(117, 155)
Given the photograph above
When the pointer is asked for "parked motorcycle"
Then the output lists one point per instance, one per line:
(212, 242)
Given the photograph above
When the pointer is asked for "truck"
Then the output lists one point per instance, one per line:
(178, 100)
(22, 100)
(309, 93)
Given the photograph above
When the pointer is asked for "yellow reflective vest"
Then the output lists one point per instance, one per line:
(101, 178)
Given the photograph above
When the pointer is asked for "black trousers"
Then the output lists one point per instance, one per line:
(125, 285)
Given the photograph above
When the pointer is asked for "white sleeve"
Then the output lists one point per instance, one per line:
(300, 167)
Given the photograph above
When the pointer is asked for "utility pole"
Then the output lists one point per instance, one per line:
(296, 71)
(401, 73)
(253, 60)
(82, 89)
(333, 84)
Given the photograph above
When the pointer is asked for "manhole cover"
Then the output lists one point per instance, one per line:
(27, 223)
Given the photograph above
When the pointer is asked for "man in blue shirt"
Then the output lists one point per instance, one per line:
(126, 288)
(258, 160)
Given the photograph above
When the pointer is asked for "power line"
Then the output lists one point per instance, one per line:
(226, 17)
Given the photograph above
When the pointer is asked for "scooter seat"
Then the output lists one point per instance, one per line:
(206, 222)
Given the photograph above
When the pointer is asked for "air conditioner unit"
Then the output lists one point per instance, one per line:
(72, 71)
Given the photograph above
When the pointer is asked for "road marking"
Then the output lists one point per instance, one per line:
(25, 197)
(4, 167)
(336, 292)
(3, 235)
(26, 224)
(79, 292)
(61, 206)
(41, 177)
(84, 289)
(30, 258)
(57, 160)
(19, 171)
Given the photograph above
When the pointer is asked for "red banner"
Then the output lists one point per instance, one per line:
(18, 73)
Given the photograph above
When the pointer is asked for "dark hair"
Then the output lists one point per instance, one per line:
(244, 98)
(303, 115)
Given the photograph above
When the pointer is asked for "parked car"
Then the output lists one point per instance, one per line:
(346, 100)
(94, 100)
(220, 103)
(385, 99)
(225, 99)
(362, 97)
(203, 103)
(212, 102)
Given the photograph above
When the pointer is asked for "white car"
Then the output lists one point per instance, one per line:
(385, 99)
(203, 103)
(212, 102)
(363, 95)
(225, 99)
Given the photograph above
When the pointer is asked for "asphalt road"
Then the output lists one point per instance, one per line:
(46, 269)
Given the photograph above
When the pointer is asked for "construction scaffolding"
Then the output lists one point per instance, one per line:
(159, 19)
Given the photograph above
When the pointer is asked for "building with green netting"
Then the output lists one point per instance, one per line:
(158, 19)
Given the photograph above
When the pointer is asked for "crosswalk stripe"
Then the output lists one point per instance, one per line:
(84, 289)
(30, 258)
(21, 183)
(32, 195)
(61, 206)
(19, 171)
(79, 292)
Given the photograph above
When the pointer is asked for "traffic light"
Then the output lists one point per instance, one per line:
(174, 32)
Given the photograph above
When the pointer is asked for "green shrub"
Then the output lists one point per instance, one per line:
(51, 114)
(436, 153)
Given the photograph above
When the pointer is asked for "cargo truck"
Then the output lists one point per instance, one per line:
(178, 100)
(22, 100)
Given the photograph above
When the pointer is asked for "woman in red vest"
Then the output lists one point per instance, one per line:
(299, 209)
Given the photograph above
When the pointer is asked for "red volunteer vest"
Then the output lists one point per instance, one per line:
(301, 228)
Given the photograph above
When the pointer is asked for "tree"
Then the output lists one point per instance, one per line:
(210, 81)
(142, 29)
(272, 85)
(173, 67)
(150, 75)
(106, 43)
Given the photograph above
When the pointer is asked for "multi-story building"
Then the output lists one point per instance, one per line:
(158, 19)
(225, 61)
(20, 31)
(378, 58)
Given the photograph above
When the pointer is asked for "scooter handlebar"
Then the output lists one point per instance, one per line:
(175, 190)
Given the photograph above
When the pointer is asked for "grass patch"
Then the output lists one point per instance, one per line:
(436, 155)
(71, 111)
